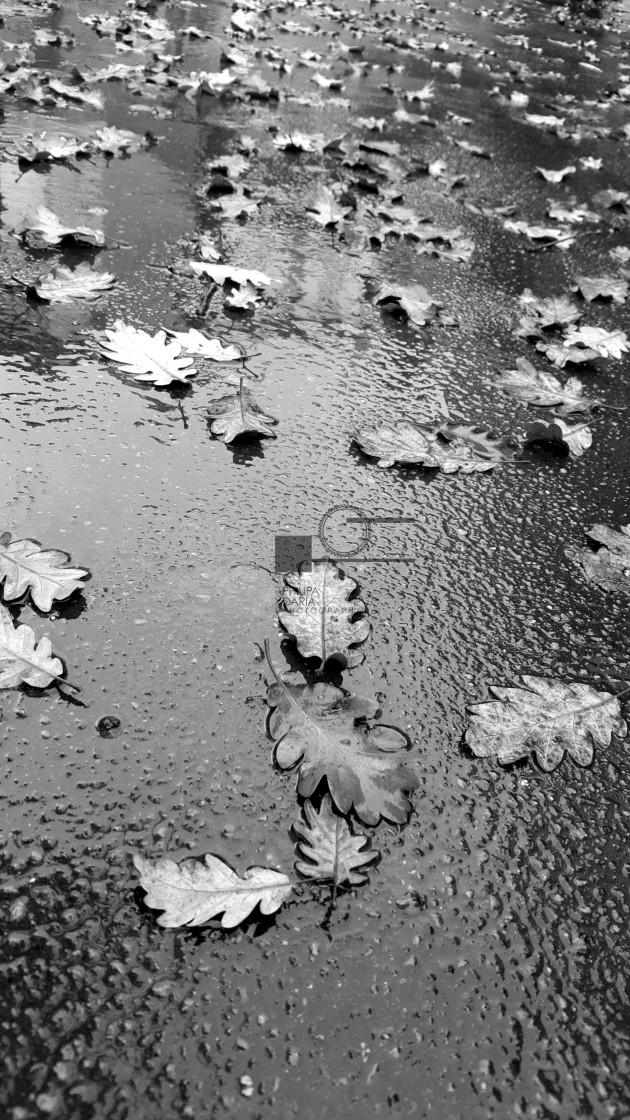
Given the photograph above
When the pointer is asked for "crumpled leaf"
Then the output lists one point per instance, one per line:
(542, 389)
(608, 344)
(148, 358)
(413, 300)
(50, 146)
(609, 567)
(319, 611)
(332, 851)
(25, 566)
(192, 893)
(22, 659)
(559, 353)
(602, 287)
(556, 176)
(551, 312)
(546, 717)
(237, 414)
(448, 448)
(325, 209)
(62, 284)
(298, 142)
(222, 273)
(194, 342)
(46, 229)
(316, 728)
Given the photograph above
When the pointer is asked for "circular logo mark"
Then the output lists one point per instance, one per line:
(333, 524)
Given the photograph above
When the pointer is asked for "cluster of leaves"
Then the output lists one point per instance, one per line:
(327, 736)
(27, 569)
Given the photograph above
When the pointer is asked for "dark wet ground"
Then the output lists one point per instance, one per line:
(483, 972)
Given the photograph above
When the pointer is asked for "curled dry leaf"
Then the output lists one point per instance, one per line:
(148, 358)
(321, 731)
(543, 390)
(63, 285)
(26, 566)
(332, 851)
(576, 438)
(320, 613)
(237, 414)
(226, 273)
(196, 343)
(46, 229)
(449, 448)
(192, 893)
(556, 176)
(546, 717)
(609, 566)
(22, 659)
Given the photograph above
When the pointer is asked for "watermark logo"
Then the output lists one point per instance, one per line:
(345, 532)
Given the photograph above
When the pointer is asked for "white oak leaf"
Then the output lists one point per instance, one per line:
(196, 343)
(321, 615)
(608, 344)
(192, 893)
(448, 448)
(63, 284)
(221, 273)
(545, 717)
(330, 849)
(22, 659)
(26, 566)
(148, 358)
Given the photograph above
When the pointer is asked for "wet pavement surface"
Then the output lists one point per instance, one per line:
(483, 972)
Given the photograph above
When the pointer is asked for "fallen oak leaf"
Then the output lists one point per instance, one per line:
(225, 273)
(46, 229)
(25, 566)
(602, 287)
(559, 353)
(237, 414)
(551, 311)
(118, 141)
(333, 853)
(62, 284)
(49, 147)
(608, 567)
(192, 893)
(607, 344)
(546, 717)
(195, 343)
(25, 661)
(148, 358)
(412, 300)
(320, 613)
(542, 390)
(447, 448)
(576, 438)
(325, 209)
(316, 729)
